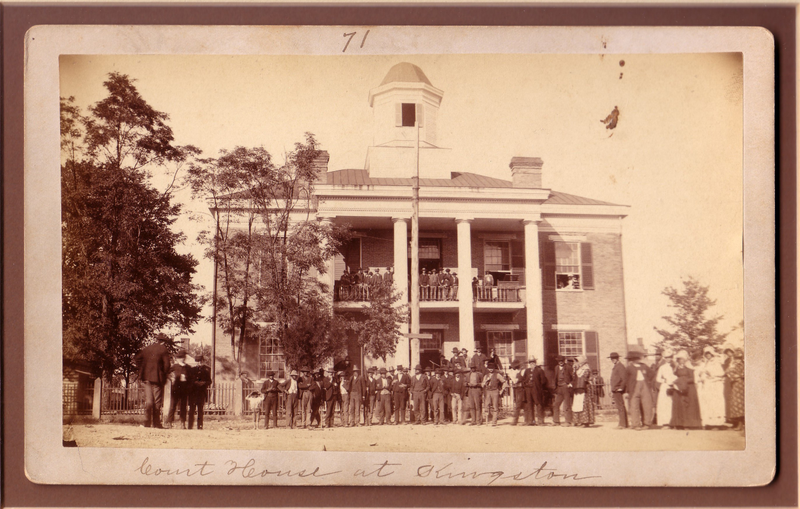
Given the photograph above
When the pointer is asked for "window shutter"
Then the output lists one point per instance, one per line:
(517, 254)
(592, 349)
(398, 114)
(587, 271)
(521, 345)
(549, 270)
(420, 113)
(550, 348)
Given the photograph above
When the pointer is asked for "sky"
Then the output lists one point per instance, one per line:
(675, 157)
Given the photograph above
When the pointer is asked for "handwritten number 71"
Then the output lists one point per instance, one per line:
(350, 38)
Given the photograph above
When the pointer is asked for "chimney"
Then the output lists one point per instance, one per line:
(320, 164)
(526, 172)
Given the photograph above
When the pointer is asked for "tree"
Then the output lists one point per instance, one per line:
(123, 280)
(692, 330)
(270, 250)
(379, 331)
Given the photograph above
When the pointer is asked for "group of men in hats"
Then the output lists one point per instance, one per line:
(189, 385)
(358, 285)
(435, 285)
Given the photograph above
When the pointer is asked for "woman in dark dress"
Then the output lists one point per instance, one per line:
(685, 405)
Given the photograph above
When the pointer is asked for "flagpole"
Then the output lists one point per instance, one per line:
(414, 341)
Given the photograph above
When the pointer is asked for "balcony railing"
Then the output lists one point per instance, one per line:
(497, 294)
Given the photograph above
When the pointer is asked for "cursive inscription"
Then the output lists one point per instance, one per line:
(541, 473)
(203, 469)
(250, 471)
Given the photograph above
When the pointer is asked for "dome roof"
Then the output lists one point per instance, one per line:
(406, 73)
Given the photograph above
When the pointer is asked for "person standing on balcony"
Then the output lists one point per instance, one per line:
(388, 277)
(197, 398)
(344, 284)
(424, 286)
(445, 285)
(433, 281)
(154, 364)
(488, 286)
(454, 287)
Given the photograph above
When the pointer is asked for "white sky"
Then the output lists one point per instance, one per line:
(675, 157)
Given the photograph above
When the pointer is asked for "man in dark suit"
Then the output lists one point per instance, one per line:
(371, 399)
(181, 375)
(358, 390)
(400, 394)
(330, 388)
(270, 390)
(535, 385)
(317, 397)
(306, 396)
(637, 386)
(562, 381)
(197, 398)
(475, 385)
(154, 364)
(479, 361)
(619, 377)
(419, 390)
(437, 397)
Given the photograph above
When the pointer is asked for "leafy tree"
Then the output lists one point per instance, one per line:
(378, 332)
(270, 249)
(691, 330)
(123, 280)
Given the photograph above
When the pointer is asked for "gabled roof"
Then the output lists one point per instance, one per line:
(460, 179)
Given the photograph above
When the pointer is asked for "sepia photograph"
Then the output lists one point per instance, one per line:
(440, 256)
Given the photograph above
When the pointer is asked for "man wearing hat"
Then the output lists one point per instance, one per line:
(437, 397)
(384, 395)
(424, 286)
(654, 384)
(358, 391)
(330, 389)
(291, 388)
(201, 376)
(456, 361)
(419, 390)
(270, 389)
(181, 376)
(475, 385)
(400, 393)
(371, 399)
(534, 381)
(447, 378)
(154, 364)
(306, 396)
(638, 387)
(388, 277)
(493, 383)
(619, 377)
(562, 379)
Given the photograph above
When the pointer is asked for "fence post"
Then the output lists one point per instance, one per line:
(97, 398)
(238, 397)
(167, 400)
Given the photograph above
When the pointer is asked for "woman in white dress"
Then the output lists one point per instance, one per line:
(711, 389)
(665, 377)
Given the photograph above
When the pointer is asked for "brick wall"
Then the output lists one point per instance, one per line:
(602, 309)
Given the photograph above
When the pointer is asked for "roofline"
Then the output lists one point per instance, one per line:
(405, 85)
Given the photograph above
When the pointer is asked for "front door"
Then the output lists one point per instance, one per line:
(430, 350)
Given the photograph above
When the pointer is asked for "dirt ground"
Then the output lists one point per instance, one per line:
(232, 433)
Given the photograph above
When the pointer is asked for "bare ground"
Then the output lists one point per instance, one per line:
(229, 433)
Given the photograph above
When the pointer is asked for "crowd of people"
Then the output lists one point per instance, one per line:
(674, 393)
(357, 286)
(463, 390)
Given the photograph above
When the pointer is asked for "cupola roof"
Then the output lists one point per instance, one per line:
(405, 72)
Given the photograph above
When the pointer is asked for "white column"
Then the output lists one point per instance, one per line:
(329, 278)
(533, 291)
(466, 332)
(401, 283)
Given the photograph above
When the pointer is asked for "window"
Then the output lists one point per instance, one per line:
(434, 343)
(409, 114)
(496, 256)
(270, 357)
(502, 343)
(570, 344)
(568, 266)
(429, 249)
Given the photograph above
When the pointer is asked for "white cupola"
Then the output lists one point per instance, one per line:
(405, 100)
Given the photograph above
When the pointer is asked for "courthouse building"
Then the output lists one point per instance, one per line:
(555, 259)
